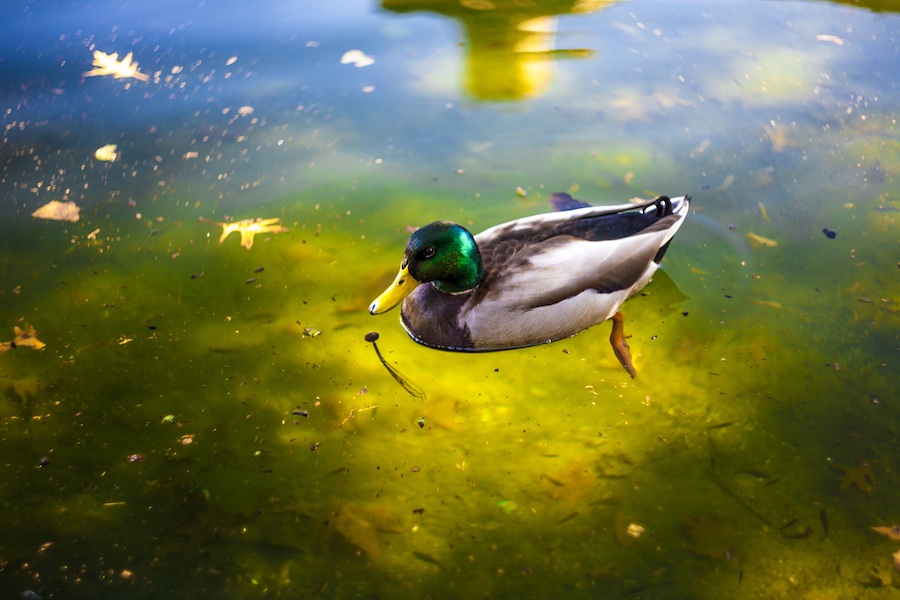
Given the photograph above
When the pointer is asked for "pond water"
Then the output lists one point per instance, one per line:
(207, 420)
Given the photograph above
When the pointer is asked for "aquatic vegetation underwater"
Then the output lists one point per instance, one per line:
(183, 415)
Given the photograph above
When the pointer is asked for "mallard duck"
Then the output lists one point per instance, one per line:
(532, 280)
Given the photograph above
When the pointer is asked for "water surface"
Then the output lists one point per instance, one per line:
(208, 421)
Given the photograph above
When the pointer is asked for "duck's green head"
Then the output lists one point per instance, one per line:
(443, 253)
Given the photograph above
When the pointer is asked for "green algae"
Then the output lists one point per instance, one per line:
(184, 434)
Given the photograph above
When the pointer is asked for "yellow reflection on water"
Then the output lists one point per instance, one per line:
(510, 47)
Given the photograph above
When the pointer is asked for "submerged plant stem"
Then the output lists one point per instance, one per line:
(407, 385)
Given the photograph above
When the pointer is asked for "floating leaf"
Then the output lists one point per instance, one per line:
(107, 64)
(106, 153)
(356, 57)
(58, 211)
(23, 338)
(248, 228)
(757, 240)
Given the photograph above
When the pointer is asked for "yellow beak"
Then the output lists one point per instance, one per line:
(403, 284)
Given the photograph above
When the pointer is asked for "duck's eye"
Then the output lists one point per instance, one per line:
(429, 252)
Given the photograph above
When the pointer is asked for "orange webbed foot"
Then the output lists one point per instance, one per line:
(619, 345)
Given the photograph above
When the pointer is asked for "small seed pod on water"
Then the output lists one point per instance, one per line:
(408, 385)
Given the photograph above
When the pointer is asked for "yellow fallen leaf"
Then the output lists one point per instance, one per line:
(23, 339)
(28, 338)
(58, 211)
(107, 64)
(758, 240)
(248, 228)
(892, 532)
(726, 183)
(106, 153)
(769, 303)
(778, 138)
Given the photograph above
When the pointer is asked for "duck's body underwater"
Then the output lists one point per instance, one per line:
(533, 280)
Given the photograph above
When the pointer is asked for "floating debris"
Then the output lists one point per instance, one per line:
(567, 518)
(357, 58)
(58, 211)
(795, 530)
(893, 532)
(407, 385)
(829, 233)
(427, 558)
(107, 64)
(354, 411)
(862, 477)
(758, 240)
(726, 183)
(823, 37)
(710, 536)
(248, 228)
(23, 338)
(778, 138)
(769, 303)
(106, 153)
(634, 530)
